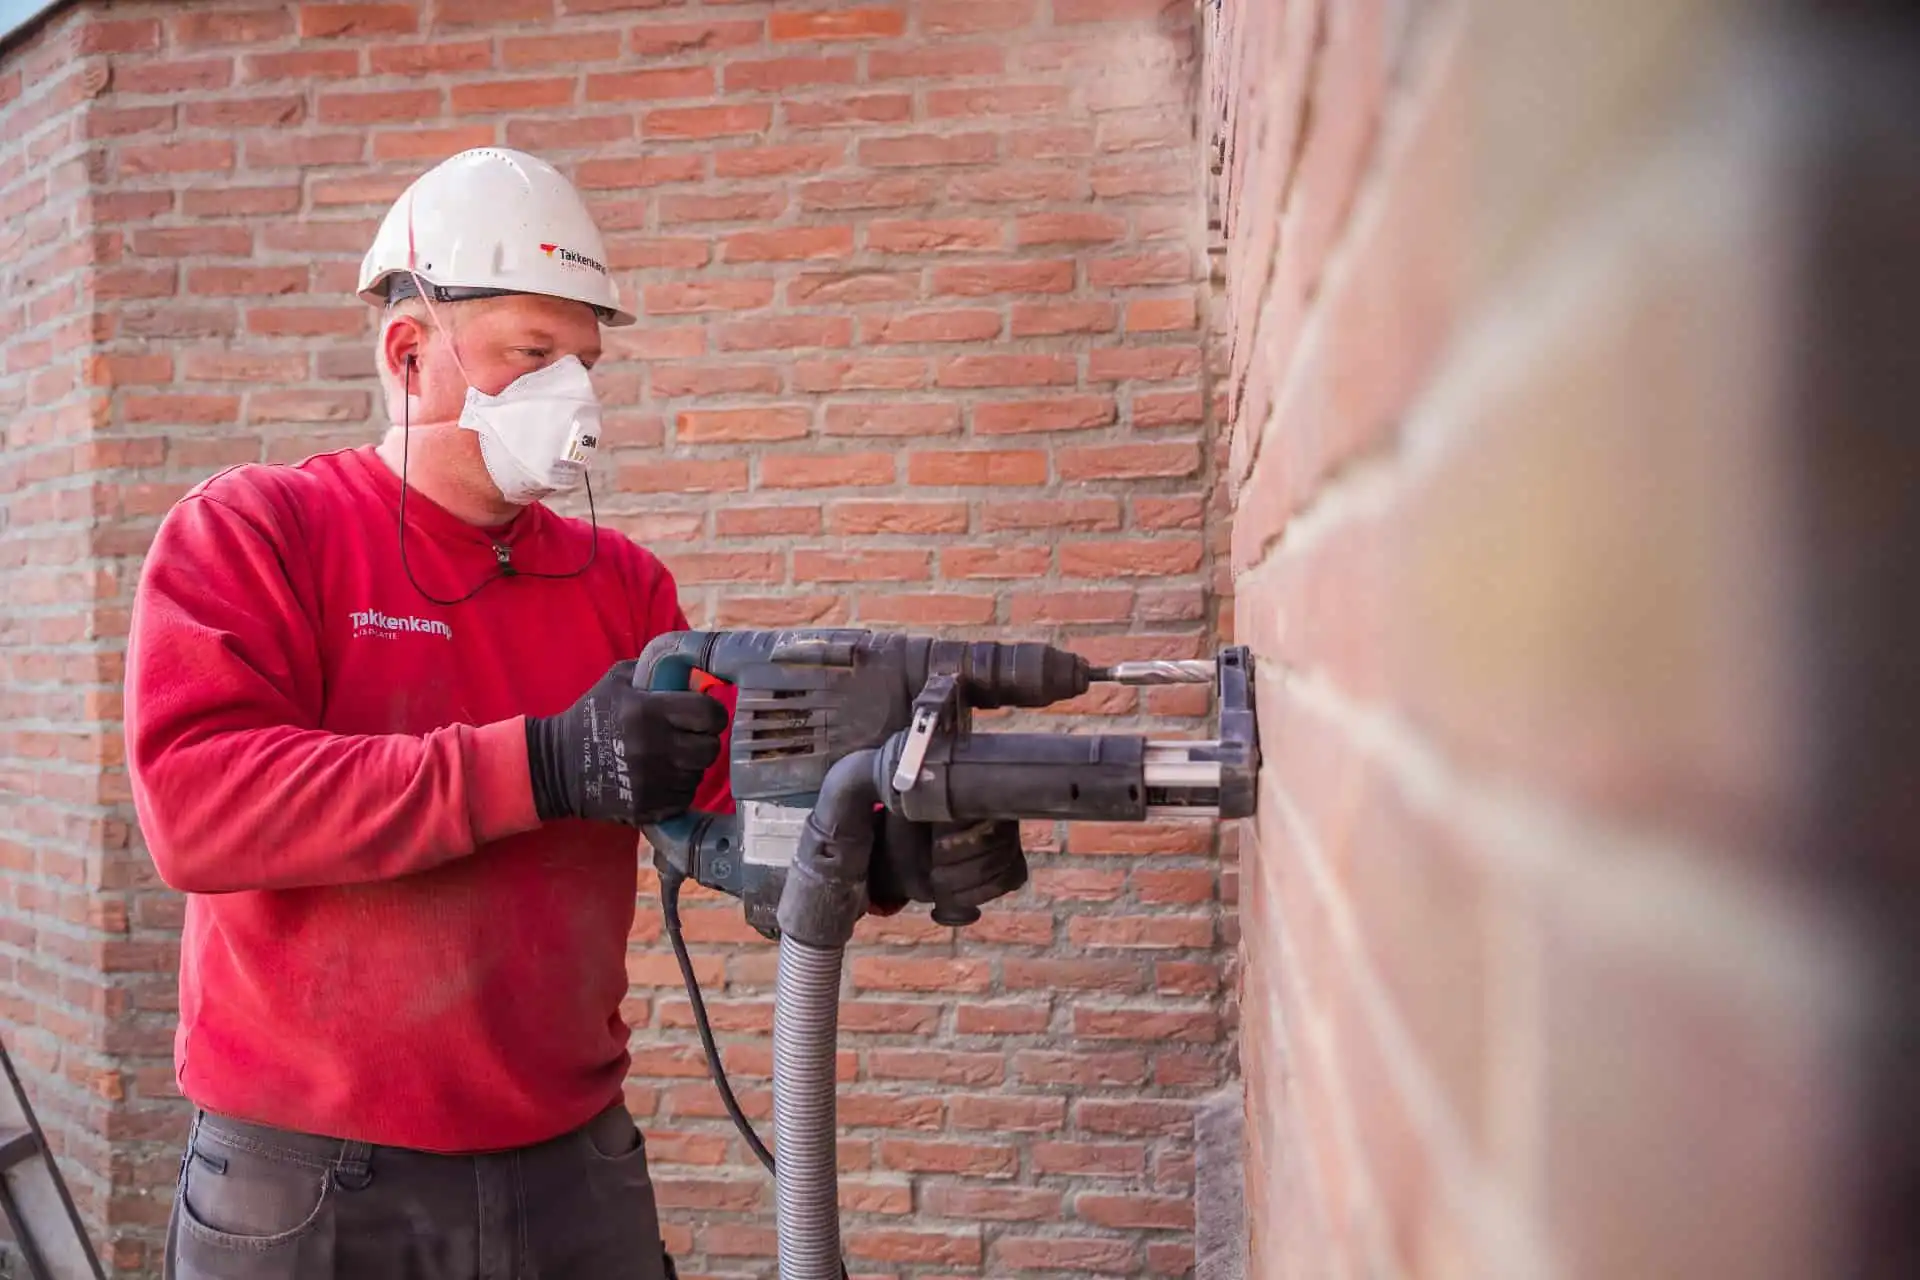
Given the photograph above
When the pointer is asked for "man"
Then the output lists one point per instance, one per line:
(382, 732)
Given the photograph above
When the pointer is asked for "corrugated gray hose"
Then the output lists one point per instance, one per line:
(806, 1016)
(824, 897)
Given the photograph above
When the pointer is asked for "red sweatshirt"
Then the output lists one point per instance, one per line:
(382, 941)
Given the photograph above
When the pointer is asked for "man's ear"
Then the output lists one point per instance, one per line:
(400, 345)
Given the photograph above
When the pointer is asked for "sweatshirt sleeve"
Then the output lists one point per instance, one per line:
(236, 785)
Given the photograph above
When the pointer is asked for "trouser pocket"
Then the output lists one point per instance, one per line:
(245, 1210)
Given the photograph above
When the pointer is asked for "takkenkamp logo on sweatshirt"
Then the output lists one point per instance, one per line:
(372, 622)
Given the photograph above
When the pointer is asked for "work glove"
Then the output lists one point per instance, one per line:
(952, 865)
(621, 754)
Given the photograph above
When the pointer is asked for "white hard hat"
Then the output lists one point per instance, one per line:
(491, 221)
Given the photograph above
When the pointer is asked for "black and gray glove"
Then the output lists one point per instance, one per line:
(622, 754)
(952, 865)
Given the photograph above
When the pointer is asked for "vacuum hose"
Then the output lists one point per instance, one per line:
(824, 897)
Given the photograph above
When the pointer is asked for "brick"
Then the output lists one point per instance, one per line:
(306, 321)
(890, 1111)
(671, 38)
(1001, 1019)
(678, 252)
(788, 244)
(431, 145)
(1201, 1027)
(1173, 1213)
(966, 563)
(892, 418)
(926, 149)
(1134, 1118)
(1169, 267)
(1047, 319)
(1123, 976)
(395, 106)
(789, 611)
(862, 518)
(672, 381)
(1067, 413)
(978, 467)
(211, 155)
(694, 567)
(187, 242)
(831, 113)
(1156, 557)
(739, 206)
(971, 325)
(1120, 364)
(806, 471)
(1159, 315)
(996, 100)
(1006, 371)
(326, 21)
(887, 191)
(1127, 461)
(1141, 931)
(298, 151)
(960, 1248)
(1066, 142)
(837, 24)
(779, 75)
(1053, 1253)
(643, 171)
(768, 162)
(1050, 607)
(513, 95)
(1082, 514)
(232, 113)
(871, 374)
(860, 566)
(573, 130)
(196, 30)
(991, 1204)
(772, 422)
(921, 610)
(756, 522)
(1018, 185)
(936, 62)
(1167, 408)
(1169, 887)
(1006, 1114)
(980, 1160)
(560, 50)
(784, 333)
(888, 973)
(932, 235)
(1090, 1159)
(989, 278)
(418, 59)
(719, 475)
(652, 85)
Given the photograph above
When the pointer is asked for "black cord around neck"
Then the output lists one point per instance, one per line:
(506, 569)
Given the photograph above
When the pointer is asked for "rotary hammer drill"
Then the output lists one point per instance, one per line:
(854, 761)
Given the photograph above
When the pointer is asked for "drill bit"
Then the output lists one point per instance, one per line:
(1158, 671)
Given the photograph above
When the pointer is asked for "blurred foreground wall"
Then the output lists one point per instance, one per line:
(1573, 472)
(921, 292)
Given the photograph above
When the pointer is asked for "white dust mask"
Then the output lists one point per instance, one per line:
(538, 435)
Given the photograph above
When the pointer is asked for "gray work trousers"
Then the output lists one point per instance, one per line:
(256, 1203)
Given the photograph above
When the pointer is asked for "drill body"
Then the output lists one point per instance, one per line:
(808, 698)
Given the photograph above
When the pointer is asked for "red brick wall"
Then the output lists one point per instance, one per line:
(1533, 984)
(922, 291)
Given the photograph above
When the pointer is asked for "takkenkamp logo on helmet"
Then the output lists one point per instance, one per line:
(569, 256)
